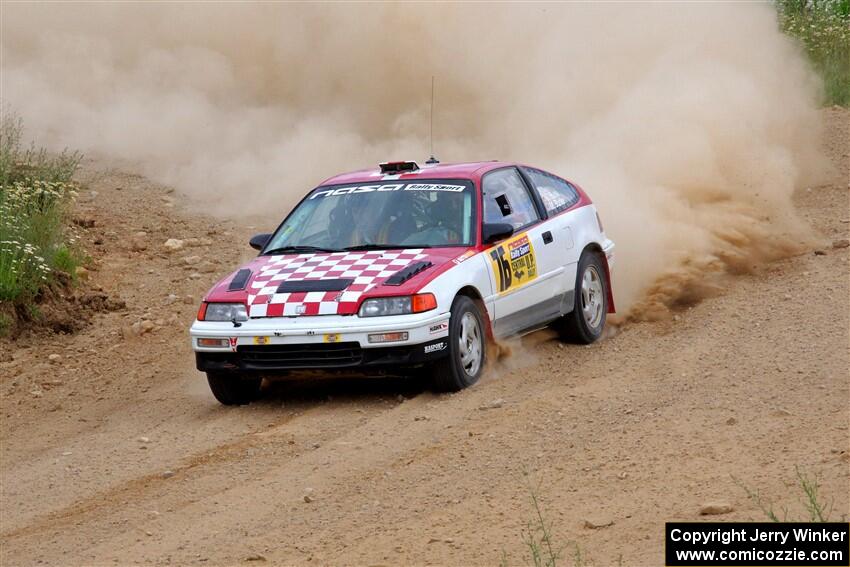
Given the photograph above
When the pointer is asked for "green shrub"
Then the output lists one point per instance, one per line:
(823, 28)
(36, 193)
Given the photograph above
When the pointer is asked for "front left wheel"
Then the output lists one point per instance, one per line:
(464, 364)
(233, 389)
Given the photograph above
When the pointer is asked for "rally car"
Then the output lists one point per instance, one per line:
(406, 269)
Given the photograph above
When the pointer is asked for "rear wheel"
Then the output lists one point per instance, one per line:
(233, 389)
(467, 348)
(585, 323)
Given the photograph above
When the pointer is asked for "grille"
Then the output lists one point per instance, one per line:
(321, 355)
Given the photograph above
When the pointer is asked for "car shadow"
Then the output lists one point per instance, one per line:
(319, 388)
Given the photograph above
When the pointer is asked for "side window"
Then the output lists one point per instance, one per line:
(506, 200)
(557, 195)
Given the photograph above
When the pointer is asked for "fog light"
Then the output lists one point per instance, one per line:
(214, 343)
(388, 337)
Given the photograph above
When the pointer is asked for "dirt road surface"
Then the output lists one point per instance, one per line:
(115, 452)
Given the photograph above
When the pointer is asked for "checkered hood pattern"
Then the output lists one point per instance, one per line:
(367, 269)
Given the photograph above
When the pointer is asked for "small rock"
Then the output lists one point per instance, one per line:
(308, 495)
(207, 267)
(715, 509)
(147, 326)
(143, 439)
(255, 557)
(495, 404)
(731, 421)
(195, 276)
(81, 273)
(67, 453)
(819, 252)
(170, 299)
(138, 245)
(85, 222)
(36, 393)
(191, 260)
(841, 243)
(55, 358)
(173, 245)
(167, 474)
(598, 523)
(188, 299)
(781, 412)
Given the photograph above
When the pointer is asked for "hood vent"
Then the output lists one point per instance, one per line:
(240, 280)
(296, 286)
(407, 272)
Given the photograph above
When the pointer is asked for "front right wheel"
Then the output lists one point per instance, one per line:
(232, 389)
(464, 364)
(585, 323)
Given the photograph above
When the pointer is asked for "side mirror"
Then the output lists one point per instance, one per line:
(259, 240)
(493, 232)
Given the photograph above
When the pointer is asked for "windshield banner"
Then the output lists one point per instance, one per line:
(388, 187)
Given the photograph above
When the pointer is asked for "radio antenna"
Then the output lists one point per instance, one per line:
(432, 159)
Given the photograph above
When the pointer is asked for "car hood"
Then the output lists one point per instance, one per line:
(332, 283)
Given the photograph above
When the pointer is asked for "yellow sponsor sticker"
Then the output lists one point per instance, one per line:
(332, 338)
(513, 263)
(261, 340)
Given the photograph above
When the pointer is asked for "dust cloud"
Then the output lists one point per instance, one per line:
(689, 124)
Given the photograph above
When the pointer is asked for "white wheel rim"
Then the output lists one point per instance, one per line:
(592, 299)
(470, 344)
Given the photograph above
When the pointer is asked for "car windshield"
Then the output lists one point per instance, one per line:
(388, 214)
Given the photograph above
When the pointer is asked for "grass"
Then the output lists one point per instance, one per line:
(538, 539)
(823, 29)
(36, 194)
(816, 506)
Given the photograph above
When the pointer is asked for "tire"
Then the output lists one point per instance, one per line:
(462, 368)
(233, 389)
(585, 323)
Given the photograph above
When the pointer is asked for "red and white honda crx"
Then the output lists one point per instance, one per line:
(404, 267)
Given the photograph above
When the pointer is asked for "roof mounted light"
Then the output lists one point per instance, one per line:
(397, 167)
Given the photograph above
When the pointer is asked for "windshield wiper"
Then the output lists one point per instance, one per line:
(298, 250)
(374, 247)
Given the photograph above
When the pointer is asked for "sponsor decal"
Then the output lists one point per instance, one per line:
(388, 187)
(513, 263)
(332, 338)
(233, 341)
(463, 257)
(436, 347)
(439, 328)
(300, 309)
(434, 187)
(261, 340)
(552, 199)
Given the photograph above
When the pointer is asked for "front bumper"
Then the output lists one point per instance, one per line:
(270, 345)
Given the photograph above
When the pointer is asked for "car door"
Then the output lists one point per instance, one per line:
(557, 197)
(523, 268)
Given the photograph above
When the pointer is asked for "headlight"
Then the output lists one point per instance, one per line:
(222, 312)
(402, 305)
